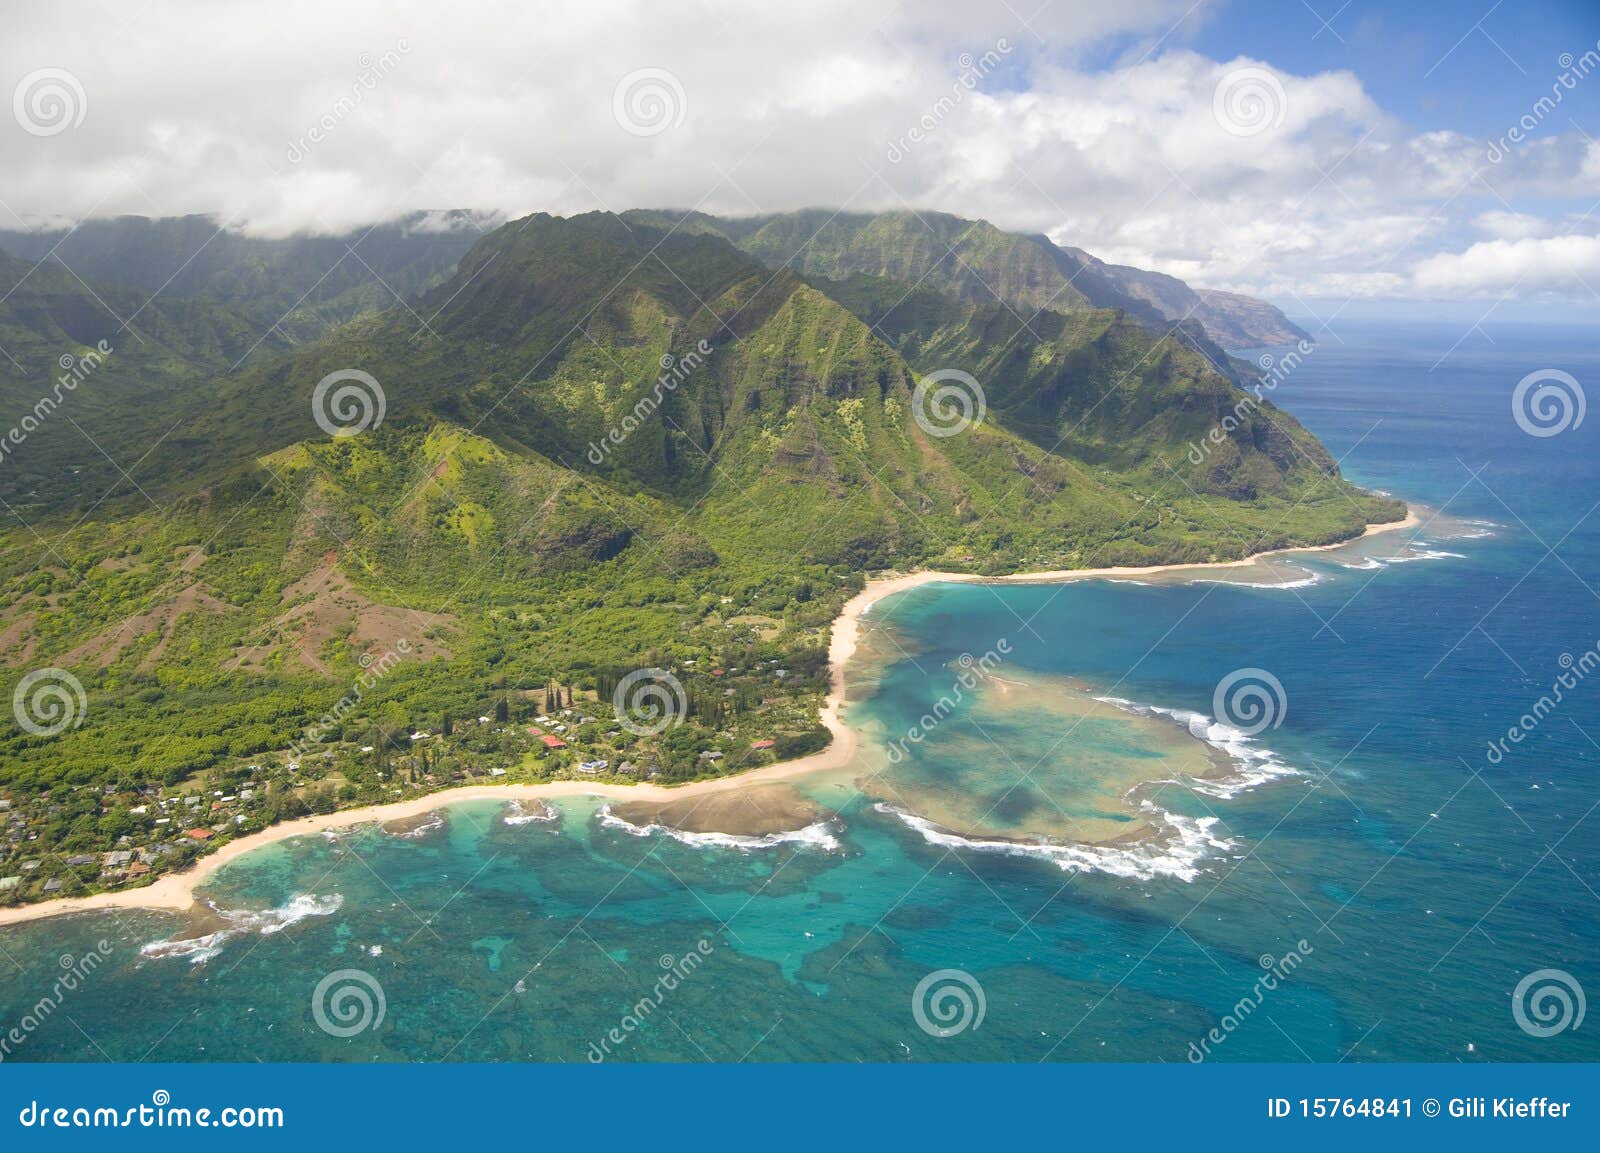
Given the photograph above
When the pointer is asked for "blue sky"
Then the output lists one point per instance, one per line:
(1468, 65)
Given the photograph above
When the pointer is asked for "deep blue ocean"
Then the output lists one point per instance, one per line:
(1382, 901)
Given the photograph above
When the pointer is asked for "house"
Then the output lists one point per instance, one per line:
(9, 883)
(420, 735)
(198, 834)
(138, 869)
(711, 755)
(53, 885)
(535, 731)
(497, 772)
(551, 742)
(80, 859)
(762, 744)
(118, 859)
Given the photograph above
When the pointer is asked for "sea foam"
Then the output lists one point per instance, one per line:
(1254, 764)
(1176, 850)
(1311, 578)
(814, 836)
(239, 922)
(516, 814)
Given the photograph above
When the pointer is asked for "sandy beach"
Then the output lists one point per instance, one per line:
(176, 891)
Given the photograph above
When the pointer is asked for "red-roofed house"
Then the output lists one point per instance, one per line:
(762, 744)
(553, 742)
(198, 834)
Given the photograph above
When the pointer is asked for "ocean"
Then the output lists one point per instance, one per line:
(1379, 872)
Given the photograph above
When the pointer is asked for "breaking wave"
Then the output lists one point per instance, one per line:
(1177, 850)
(1311, 578)
(1254, 763)
(815, 836)
(239, 922)
(517, 814)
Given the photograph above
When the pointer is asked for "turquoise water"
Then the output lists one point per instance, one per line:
(1424, 878)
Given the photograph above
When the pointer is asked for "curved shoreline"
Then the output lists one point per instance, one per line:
(175, 892)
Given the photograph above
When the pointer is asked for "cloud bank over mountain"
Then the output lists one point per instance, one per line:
(1097, 125)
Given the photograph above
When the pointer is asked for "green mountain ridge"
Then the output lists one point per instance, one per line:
(501, 547)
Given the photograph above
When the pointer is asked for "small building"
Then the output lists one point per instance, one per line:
(53, 885)
(9, 883)
(198, 834)
(762, 744)
(551, 742)
(80, 859)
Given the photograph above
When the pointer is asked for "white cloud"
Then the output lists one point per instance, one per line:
(1567, 265)
(201, 107)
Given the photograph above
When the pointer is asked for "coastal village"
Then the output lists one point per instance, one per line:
(76, 840)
